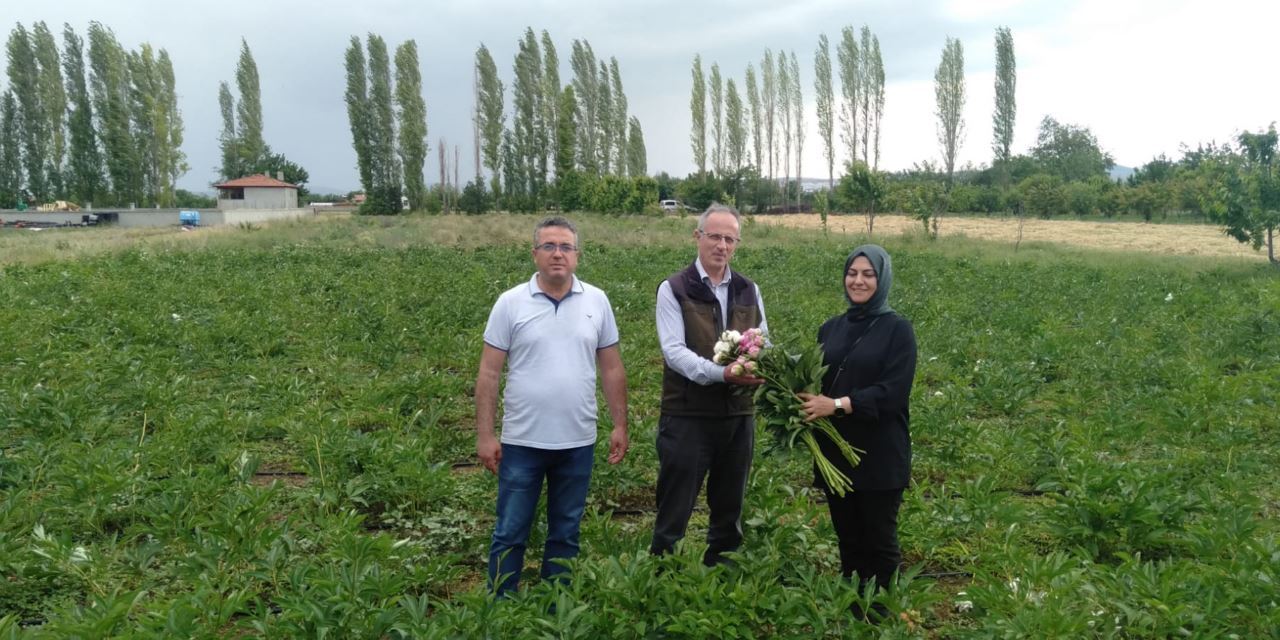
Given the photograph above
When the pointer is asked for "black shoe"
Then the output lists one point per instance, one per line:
(719, 560)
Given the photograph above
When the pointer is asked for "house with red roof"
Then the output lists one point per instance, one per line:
(257, 192)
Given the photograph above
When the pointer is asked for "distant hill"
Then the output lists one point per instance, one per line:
(1121, 173)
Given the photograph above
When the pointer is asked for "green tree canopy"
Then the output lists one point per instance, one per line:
(1069, 152)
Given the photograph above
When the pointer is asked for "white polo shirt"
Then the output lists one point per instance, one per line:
(550, 398)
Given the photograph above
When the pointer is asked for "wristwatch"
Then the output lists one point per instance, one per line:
(840, 408)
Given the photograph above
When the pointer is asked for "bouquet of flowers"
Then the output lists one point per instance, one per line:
(741, 349)
(778, 405)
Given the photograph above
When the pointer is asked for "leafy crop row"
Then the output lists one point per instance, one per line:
(275, 439)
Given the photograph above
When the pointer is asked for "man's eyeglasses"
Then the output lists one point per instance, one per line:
(717, 238)
(551, 247)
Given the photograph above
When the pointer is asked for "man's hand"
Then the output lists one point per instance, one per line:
(746, 380)
(618, 444)
(490, 451)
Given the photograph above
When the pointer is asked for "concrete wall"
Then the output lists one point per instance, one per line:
(254, 215)
(263, 198)
(143, 218)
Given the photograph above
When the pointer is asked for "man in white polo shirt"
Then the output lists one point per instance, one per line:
(552, 332)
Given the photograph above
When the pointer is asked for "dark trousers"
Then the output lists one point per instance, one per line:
(866, 524)
(689, 451)
(568, 476)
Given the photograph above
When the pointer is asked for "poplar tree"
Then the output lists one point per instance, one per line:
(526, 118)
(85, 181)
(228, 142)
(698, 111)
(866, 83)
(717, 126)
(755, 115)
(53, 101)
(413, 123)
(512, 170)
(735, 125)
(949, 92)
(619, 117)
(1006, 101)
(10, 152)
(109, 87)
(357, 99)
(489, 113)
(566, 133)
(797, 97)
(24, 82)
(252, 146)
(175, 161)
(783, 87)
(586, 89)
(825, 98)
(444, 176)
(637, 162)
(769, 103)
(604, 120)
(169, 161)
(475, 125)
(550, 99)
(850, 64)
(146, 124)
(386, 166)
(877, 101)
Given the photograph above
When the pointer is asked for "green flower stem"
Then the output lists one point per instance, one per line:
(836, 481)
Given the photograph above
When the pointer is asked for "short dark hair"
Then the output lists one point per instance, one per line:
(555, 221)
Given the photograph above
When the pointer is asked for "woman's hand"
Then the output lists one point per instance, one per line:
(816, 406)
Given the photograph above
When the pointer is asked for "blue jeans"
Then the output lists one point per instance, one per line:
(520, 474)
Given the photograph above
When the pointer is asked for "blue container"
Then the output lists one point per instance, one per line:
(189, 218)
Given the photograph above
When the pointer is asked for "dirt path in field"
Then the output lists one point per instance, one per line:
(1168, 239)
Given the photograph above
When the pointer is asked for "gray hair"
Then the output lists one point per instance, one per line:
(555, 221)
(716, 207)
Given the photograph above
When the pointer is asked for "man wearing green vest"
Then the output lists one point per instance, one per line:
(707, 425)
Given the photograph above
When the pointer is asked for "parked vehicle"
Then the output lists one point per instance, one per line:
(670, 205)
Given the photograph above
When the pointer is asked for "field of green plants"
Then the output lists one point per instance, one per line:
(270, 434)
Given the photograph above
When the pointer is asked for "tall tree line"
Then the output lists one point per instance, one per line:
(62, 120)
(557, 132)
(388, 123)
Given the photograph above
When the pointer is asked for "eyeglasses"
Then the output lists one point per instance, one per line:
(717, 238)
(551, 247)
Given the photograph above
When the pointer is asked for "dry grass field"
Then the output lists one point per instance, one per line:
(1201, 241)
(1169, 239)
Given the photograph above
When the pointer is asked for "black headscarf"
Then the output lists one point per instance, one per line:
(878, 305)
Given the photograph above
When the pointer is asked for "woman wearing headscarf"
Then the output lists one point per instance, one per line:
(870, 353)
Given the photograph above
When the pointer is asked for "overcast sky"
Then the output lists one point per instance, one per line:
(1144, 75)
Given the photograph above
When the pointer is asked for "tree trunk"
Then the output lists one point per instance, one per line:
(1271, 246)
